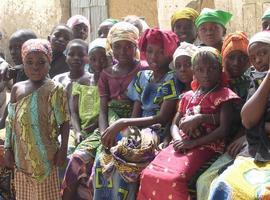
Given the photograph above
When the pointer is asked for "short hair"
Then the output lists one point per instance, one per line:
(207, 56)
(23, 34)
(77, 41)
(63, 25)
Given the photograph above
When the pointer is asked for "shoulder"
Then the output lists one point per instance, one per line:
(60, 77)
(223, 94)
(86, 79)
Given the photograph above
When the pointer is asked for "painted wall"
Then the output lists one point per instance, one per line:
(38, 15)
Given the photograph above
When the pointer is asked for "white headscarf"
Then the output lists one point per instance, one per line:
(185, 49)
(99, 42)
(263, 36)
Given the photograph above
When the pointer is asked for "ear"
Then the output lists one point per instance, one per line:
(49, 38)
(224, 31)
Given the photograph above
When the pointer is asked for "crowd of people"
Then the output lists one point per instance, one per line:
(139, 113)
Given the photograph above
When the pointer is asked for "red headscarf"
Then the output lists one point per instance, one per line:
(167, 39)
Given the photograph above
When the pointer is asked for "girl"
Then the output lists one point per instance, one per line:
(154, 93)
(266, 20)
(182, 23)
(197, 138)
(236, 67)
(211, 27)
(105, 26)
(80, 26)
(38, 113)
(84, 114)
(59, 38)
(253, 160)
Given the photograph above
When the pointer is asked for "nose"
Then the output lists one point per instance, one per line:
(258, 60)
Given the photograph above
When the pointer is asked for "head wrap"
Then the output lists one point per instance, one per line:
(108, 22)
(210, 15)
(185, 49)
(78, 19)
(263, 36)
(234, 41)
(99, 42)
(167, 39)
(37, 45)
(266, 14)
(185, 13)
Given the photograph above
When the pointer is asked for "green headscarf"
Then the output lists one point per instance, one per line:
(210, 15)
(266, 14)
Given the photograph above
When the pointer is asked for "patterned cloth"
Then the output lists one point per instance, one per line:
(32, 129)
(245, 179)
(28, 188)
(151, 95)
(37, 45)
(6, 184)
(184, 13)
(171, 170)
(78, 19)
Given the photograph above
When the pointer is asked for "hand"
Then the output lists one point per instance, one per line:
(236, 146)
(9, 159)
(190, 123)
(60, 157)
(108, 136)
(183, 145)
(4, 66)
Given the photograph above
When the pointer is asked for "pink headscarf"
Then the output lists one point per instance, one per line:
(37, 45)
(78, 19)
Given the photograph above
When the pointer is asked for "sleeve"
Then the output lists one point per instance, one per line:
(60, 105)
(103, 86)
(134, 88)
(225, 95)
(9, 122)
(182, 105)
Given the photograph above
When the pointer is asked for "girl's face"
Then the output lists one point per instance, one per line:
(104, 30)
(259, 56)
(124, 51)
(183, 69)
(155, 57)
(98, 60)
(185, 30)
(36, 66)
(15, 46)
(266, 24)
(80, 31)
(59, 38)
(76, 56)
(207, 71)
(211, 33)
(236, 63)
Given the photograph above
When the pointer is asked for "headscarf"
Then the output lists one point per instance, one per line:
(37, 45)
(185, 49)
(263, 36)
(234, 41)
(78, 19)
(122, 31)
(210, 15)
(99, 42)
(185, 13)
(108, 22)
(167, 39)
(266, 14)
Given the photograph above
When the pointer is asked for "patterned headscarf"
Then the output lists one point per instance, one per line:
(37, 45)
(185, 49)
(167, 39)
(78, 19)
(99, 42)
(234, 41)
(185, 13)
(210, 15)
(122, 31)
(266, 14)
(263, 36)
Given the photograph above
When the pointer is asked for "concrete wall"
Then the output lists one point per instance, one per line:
(144, 8)
(39, 15)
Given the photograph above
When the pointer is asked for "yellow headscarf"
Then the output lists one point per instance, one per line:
(185, 13)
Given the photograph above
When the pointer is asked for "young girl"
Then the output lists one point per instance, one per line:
(195, 138)
(253, 160)
(182, 23)
(266, 20)
(38, 113)
(211, 27)
(80, 26)
(84, 106)
(236, 66)
(59, 38)
(105, 26)
(154, 93)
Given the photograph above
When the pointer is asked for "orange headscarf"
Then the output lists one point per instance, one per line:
(234, 41)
